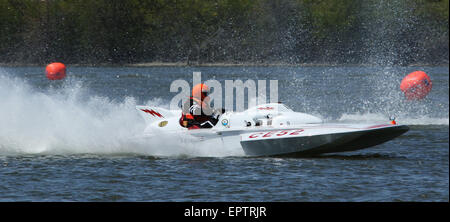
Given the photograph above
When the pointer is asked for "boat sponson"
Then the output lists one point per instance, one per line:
(319, 144)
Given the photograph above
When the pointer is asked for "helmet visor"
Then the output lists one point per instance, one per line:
(205, 92)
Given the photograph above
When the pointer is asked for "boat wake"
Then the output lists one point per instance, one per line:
(69, 119)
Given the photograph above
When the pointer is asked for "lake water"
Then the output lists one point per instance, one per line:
(69, 140)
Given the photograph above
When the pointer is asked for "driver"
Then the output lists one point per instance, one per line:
(196, 112)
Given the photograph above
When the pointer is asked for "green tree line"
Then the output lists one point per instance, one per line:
(224, 31)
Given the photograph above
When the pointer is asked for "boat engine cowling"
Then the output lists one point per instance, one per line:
(287, 119)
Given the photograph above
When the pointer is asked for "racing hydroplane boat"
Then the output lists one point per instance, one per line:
(272, 130)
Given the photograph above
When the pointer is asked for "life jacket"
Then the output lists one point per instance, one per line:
(189, 120)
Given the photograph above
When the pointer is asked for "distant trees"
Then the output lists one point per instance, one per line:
(233, 31)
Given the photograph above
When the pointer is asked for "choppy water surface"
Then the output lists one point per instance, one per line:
(69, 140)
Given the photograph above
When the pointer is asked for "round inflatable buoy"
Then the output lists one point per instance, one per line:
(416, 85)
(55, 71)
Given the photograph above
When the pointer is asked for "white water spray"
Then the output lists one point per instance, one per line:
(60, 121)
(68, 119)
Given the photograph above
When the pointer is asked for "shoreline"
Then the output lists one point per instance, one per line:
(220, 64)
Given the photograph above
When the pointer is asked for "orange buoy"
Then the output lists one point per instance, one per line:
(416, 85)
(55, 71)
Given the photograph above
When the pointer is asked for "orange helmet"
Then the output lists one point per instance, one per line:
(200, 91)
